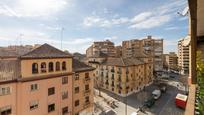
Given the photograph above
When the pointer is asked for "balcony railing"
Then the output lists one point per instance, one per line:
(112, 85)
(119, 72)
(87, 104)
(87, 78)
(87, 91)
(119, 79)
(7, 78)
(112, 70)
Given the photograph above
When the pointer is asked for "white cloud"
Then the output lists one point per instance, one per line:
(151, 22)
(32, 8)
(94, 21)
(140, 17)
(144, 20)
(172, 28)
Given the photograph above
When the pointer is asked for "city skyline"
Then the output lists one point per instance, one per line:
(26, 22)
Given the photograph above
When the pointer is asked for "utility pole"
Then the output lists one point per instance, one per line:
(62, 29)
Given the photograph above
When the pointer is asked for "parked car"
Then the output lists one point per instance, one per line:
(149, 103)
(156, 94)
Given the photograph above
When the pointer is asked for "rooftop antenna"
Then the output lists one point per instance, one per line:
(20, 39)
(184, 12)
(62, 29)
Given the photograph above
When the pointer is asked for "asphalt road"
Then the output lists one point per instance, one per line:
(165, 105)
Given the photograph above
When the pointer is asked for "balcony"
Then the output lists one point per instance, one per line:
(119, 72)
(112, 85)
(6, 78)
(87, 104)
(87, 91)
(106, 83)
(112, 70)
(119, 79)
(87, 79)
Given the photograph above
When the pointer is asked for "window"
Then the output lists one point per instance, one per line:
(76, 90)
(5, 90)
(51, 107)
(64, 110)
(76, 76)
(87, 99)
(5, 110)
(64, 80)
(64, 95)
(51, 91)
(64, 65)
(51, 68)
(57, 66)
(86, 74)
(87, 87)
(76, 103)
(34, 68)
(34, 87)
(33, 105)
(43, 67)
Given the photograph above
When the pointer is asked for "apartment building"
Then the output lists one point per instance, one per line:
(171, 60)
(107, 47)
(183, 55)
(122, 76)
(118, 51)
(153, 48)
(82, 88)
(40, 81)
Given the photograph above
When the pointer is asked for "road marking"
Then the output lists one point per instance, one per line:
(165, 104)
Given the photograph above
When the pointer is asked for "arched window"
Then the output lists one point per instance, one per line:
(57, 66)
(51, 67)
(34, 68)
(43, 67)
(64, 65)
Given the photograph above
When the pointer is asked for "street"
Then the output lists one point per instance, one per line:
(165, 105)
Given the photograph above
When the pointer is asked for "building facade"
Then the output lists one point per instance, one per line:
(33, 82)
(171, 61)
(183, 55)
(153, 48)
(83, 89)
(107, 47)
(122, 76)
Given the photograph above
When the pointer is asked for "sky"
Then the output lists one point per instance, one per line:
(80, 22)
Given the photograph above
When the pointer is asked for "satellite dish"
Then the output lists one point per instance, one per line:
(184, 12)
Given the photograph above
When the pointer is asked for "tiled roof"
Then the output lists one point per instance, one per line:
(46, 51)
(5, 52)
(80, 66)
(122, 61)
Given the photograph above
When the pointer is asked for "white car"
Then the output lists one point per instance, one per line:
(156, 94)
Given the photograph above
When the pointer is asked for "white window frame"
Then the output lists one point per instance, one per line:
(5, 90)
(34, 103)
(36, 87)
